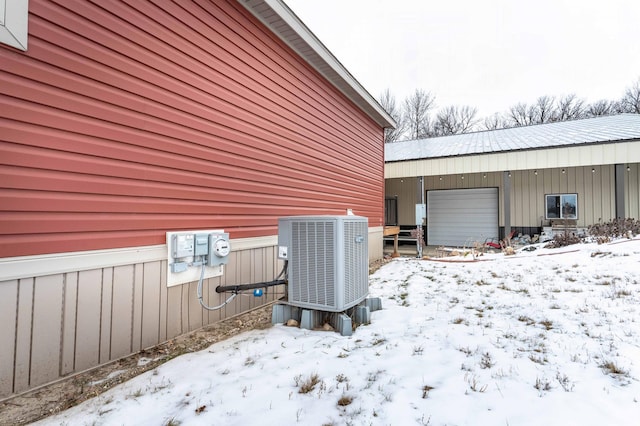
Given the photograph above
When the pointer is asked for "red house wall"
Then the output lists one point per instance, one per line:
(129, 119)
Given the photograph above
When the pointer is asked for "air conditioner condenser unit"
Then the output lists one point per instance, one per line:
(328, 260)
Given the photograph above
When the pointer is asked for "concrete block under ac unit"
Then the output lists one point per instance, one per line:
(281, 313)
(363, 314)
(373, 303)
(310, 319)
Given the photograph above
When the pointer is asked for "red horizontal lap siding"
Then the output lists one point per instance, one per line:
(123, 122)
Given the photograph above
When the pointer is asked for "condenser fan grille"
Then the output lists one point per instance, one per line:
(313, 262)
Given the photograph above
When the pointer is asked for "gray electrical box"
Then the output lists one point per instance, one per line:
(201, 243)
(182, 245)
(195, 254)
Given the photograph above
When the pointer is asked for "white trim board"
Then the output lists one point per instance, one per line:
(12, 268)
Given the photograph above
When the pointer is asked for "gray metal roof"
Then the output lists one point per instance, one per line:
(613, 128)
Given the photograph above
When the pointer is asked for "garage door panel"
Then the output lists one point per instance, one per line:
(459, 216)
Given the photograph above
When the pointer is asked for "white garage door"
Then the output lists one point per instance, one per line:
(456, 217)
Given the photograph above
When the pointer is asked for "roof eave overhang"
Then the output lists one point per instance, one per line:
(290, 29)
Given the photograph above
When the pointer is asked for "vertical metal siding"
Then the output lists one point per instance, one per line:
(47, 326)
(87, 321)
(68, 344)
(8, 292)
(632, 189)
(59, 324)
(22, 333)
(106, 318)
(596, 192)
(151, 304)
(127, 121)
(121, 311)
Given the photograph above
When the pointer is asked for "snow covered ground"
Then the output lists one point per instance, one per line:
(548, 337)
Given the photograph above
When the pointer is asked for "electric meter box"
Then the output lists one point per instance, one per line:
(189, 252)
(219, 249)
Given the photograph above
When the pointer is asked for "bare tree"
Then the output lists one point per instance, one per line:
(454, 120)
(388, 102)
(521, 114)
(546, 110)
(416, 113)
(493, 122)
(630, 101)
(570, 107)
(602, 107)
(543, 110)
(416, 123)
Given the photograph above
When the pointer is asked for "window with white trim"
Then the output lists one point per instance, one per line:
(14, 23)
(561, 206)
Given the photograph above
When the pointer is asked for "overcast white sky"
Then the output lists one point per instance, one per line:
(487, 54)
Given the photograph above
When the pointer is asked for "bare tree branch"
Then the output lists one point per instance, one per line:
(416, 113)
(388, 102)
(521, 114)
(602, 107)
(546, 110)
(494, 122)
(454, 120)
(415, 121)
(543, 110)
(570, 107)
(630, 102)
